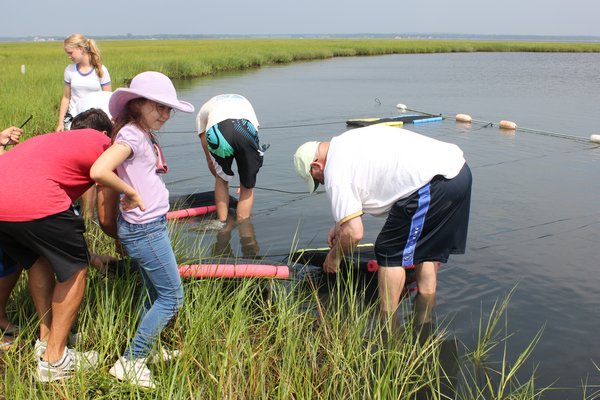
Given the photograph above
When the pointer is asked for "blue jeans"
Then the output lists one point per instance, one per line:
(150, 246)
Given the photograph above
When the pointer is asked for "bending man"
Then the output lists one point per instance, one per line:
(41, 232)
(422, 187)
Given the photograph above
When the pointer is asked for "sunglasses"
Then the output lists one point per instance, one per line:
(161, 108)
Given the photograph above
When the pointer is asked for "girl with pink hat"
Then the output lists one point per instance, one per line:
(139, 111)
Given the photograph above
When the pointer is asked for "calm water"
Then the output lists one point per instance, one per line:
(535, 219)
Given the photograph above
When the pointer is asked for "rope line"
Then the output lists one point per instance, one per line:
(283, 191)
(302, 125)
(262, 128)
(484, 124)
(554, 134)
(487, 124)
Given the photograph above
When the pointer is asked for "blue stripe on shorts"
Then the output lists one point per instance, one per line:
(416, 225)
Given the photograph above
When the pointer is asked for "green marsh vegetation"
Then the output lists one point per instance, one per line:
(254, 338)
(38, 91)
(272, 339)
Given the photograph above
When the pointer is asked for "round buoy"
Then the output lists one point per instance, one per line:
(463, 118)
(595, 138)
(401, 107)
(508, 125)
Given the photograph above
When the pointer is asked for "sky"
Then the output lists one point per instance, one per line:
(25, 18)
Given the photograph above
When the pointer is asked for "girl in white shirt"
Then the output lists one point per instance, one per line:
(84, 76)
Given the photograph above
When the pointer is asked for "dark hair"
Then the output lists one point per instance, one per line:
(130, 114)
(93, 118)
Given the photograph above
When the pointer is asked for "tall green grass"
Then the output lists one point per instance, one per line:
(268, 339)
(39, 90)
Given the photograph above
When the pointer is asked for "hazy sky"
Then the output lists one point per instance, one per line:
(147, 17)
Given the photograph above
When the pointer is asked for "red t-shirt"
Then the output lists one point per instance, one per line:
(45, 174)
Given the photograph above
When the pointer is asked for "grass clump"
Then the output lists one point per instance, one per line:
(272, 339)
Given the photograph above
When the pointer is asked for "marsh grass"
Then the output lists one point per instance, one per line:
(39, 90)
(499, 379)
(252, 338)
(270, 339)
(489, 336)
(591, 392)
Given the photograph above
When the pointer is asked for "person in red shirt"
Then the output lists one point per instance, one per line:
(42, 233)
(9, 271)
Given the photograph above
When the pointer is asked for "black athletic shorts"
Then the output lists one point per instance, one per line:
(235, 139)
(58, 237)
(428, 225)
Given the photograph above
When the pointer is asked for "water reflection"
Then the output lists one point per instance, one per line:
(423, 320)
(447, 369)
(221, 247)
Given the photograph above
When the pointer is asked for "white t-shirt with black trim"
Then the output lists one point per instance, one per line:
(83, 84)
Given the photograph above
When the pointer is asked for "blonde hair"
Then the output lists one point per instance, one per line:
(77, 40)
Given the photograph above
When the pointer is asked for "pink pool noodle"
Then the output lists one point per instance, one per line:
(234, 271)
(190, 212)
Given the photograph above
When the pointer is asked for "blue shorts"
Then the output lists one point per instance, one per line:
(428, 225)
(7, 265)
(235, 139)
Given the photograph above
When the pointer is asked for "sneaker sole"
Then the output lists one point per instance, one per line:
(51, 377)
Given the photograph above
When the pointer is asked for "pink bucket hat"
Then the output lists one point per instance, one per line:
(150, 85)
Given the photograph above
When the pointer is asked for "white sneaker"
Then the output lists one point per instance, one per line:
(162, 355)
(39, 348)
(74, 339)
(65, 368)
(134, 371)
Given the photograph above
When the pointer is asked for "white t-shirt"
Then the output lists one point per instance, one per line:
(93, 100)
(369, 169)
(81, 85)
(222, 107)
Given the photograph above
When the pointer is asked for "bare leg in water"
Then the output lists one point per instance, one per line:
(391, 282)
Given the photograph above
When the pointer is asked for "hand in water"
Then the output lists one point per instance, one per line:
(330, 265)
